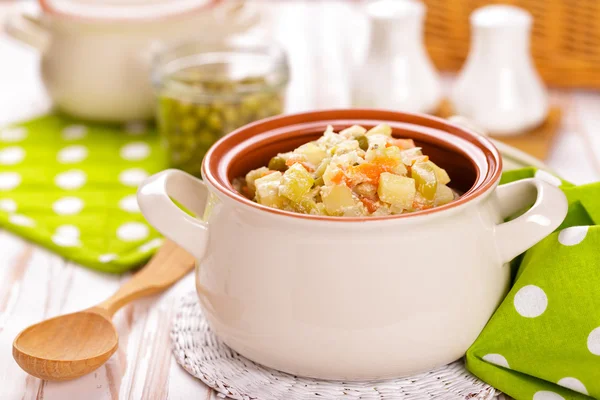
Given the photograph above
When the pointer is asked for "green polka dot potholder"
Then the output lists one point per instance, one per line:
(543, 342)
(70, 186)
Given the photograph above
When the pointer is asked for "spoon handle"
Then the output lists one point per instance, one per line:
(167, 266)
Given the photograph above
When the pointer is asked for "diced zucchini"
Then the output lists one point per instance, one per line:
(396, 190)
(424, 176)
(443, 195)
(296, 182)
(381, 129)
(313, 153)
(336, 198)
(267, 190)
(440, 173)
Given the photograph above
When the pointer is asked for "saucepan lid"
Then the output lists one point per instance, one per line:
(125, 10)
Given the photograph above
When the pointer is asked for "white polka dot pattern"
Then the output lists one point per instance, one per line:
(132, 231)
(21, 220)
(530, 301)
(11, 135)
(8, 205)
(105, 258)
(573, 235)
(546, 395)
(132, 177)
(72, 154)
(70, 180)
(129, 204)
(68, 206)
(593, 342)
(573, 384)
(12, 155)
(66, 236)
(74, 132)
(135, 151)
(9, 180)
(496, 359)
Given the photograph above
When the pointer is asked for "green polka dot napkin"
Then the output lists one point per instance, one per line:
(70, 186)
(543, 342)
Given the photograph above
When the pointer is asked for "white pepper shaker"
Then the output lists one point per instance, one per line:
(498, 87)
(397, 73)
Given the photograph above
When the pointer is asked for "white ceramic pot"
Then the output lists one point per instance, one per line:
(96, 56)
(351, 298)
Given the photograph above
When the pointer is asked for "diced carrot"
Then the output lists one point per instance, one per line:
(306, 166)
(403, 144)
(338, 177)
(370, 204)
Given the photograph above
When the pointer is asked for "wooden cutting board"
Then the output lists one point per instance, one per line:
(536, 142)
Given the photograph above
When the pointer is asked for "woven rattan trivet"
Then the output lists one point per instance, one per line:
(536, 142)
(201, 354)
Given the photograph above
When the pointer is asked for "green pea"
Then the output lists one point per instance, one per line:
(363, 142)
(277, 164)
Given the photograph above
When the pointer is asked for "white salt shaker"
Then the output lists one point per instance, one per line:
(498, 87)
(397, 73)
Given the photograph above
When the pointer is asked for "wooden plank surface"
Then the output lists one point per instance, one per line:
(35, 284)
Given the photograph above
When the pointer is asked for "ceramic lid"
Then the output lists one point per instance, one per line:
(123, 9)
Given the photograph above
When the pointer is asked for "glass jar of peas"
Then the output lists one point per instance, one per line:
(205, 90)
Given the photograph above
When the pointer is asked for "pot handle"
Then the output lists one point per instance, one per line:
(154, 198)
(547, 213)
(27, 29)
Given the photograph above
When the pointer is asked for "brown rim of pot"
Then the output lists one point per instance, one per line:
(241, 143)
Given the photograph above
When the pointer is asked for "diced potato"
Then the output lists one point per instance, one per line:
(396, 190)
(267, 190)
(295, 183)
(336, 198)
(346, 147)
(424, 176)
(313, 153)
(253, 176)
(375, 151)
(353, 131)
(443, 195)
(381, 129)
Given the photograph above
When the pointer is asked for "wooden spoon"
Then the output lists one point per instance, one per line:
(73, 345)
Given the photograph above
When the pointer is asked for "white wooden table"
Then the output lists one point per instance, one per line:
(36, 284)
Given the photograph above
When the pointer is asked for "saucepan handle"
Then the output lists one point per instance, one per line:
(28, 29)
(547, 213)
(154, 198)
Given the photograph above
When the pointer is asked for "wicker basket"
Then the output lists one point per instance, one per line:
(565, 39)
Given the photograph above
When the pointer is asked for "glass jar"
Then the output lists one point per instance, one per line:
(205, 90)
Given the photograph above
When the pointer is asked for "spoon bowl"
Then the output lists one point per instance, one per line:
(70, 345)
